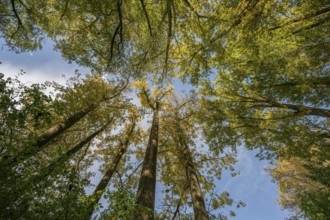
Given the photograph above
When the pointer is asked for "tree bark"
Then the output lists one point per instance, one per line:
(147, 185)
(200, 212)
(70, 152)
(48, 136)
(58, 129)
(109, 173)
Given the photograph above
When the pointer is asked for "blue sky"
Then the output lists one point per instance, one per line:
(255, 188)
(253, 185)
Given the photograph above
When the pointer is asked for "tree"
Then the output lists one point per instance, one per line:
(191, 172)
(261, 67)
(57, 129)
(32, 176)
(272, 96)
(63, 158)
(147, 184)
(113, 166)
(303, 183)
(19, 28)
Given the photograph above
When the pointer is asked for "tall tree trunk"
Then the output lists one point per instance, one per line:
(147, 185)
(59, 128)
(48, 136)
(200, 212)
(46, 171)
(109, 173)
(56, 130)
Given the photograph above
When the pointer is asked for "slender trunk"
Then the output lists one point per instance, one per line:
(200, 212)
(109, 173)
(58, 129)
(48, 136)
(69, 153)
(55, 131)
(147, 185)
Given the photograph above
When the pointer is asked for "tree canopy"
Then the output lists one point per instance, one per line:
(261, 72)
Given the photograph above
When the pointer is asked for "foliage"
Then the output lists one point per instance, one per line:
(122, 205)
(262, 71)
(304, 183)
(53, 177)
(273, 96)
(25, 112)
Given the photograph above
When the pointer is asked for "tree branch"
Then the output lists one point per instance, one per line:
(19, 21)
(295, 20)
(147, 16)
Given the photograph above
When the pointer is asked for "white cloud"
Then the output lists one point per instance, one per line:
(40, 66)
(32, 75)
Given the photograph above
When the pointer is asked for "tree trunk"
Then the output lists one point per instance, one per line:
(69, 153)
(109, 173)
(147, 185)
(48, 136)
(200, 212)
(55, 131)
(58, 129)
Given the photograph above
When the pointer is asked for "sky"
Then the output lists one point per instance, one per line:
(253, 185)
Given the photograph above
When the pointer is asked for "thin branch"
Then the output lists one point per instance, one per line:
(193, 10)
(23, 4)
(169, 36)
(236, 22)
(144, 92)
(119, 4)
(19, 21)
(162, 96)
(113, 43)
(177, 210)
(320, 81)
(301, 109)
(82, 156)
(295, 20)
(320, 22)
(135, 170)
(65, 9)
(120, 179)
(147, 16)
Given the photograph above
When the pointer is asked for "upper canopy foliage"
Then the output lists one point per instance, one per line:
(173, 38)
